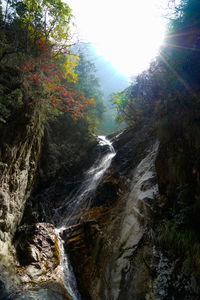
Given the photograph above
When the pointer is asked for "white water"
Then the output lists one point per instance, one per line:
(137, 210)
(79, 202)
(66, 270)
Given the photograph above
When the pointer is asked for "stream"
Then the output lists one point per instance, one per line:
(76, 205)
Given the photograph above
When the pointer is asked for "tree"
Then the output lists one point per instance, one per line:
(88, 84)
(35, 37)
(47, 79)
(24, 22)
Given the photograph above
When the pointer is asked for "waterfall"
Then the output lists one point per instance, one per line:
(80, 199)
(78, 203)
(137, 212)
(67, 274)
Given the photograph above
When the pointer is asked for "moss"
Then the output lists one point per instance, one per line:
(184, 244)
(34, 157)
(9, 102)
(29, 183)
(56, 252)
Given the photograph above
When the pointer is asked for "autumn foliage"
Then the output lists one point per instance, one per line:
(47, 75)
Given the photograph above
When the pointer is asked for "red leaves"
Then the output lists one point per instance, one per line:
(28, 66)
(43, 45)
(44, 72)
(34, 78)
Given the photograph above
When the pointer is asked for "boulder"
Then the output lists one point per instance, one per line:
(37, 250)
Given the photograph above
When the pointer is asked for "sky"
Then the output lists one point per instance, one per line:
(127, 33)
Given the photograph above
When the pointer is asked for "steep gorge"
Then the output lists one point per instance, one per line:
(113, 241)
(93, 217)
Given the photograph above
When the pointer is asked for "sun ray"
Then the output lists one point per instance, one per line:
(182, 47)
(128, 36)
(179, 77)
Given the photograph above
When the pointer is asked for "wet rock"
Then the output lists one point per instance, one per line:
(82, 244)
(130, 146)
(19, 151)
(62, 153)
(20, 148)
(130, 233)
(102, 247)
(37, 250)
(106, 194)
(147, 184)
(45, 291)
(3, 292)
(38, 267)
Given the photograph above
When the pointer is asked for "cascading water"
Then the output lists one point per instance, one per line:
(67, 273)
(77, 204)
(80, 200)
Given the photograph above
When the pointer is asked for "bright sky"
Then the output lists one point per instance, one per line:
(127, 33)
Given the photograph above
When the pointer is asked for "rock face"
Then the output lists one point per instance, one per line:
(114, 245)
(137, 212)
(19, 155)
(38, 259)
(62, 151)
(116, 251)
(20, 147)
(107, 245)
(37, 250)
(36, 244)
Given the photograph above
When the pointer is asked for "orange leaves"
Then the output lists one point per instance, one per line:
(54, 100)
(34, 78)
(47, 81)
(28, 66)
(43, 45)
(52, 88)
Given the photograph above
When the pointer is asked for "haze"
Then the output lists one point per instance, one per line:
(128, 34)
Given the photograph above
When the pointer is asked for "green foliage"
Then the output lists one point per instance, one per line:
(25, 22)
(178, 168)
(167, 96)
(108, 124)
(168, 92)
(185, 244)
(88, 84)
(34, 39)
(183, 214)
(120, 101)
(48, 18)
(9, 101)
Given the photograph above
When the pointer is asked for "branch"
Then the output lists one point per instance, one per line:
(7, 52)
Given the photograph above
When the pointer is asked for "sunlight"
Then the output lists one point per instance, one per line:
(127, 34)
